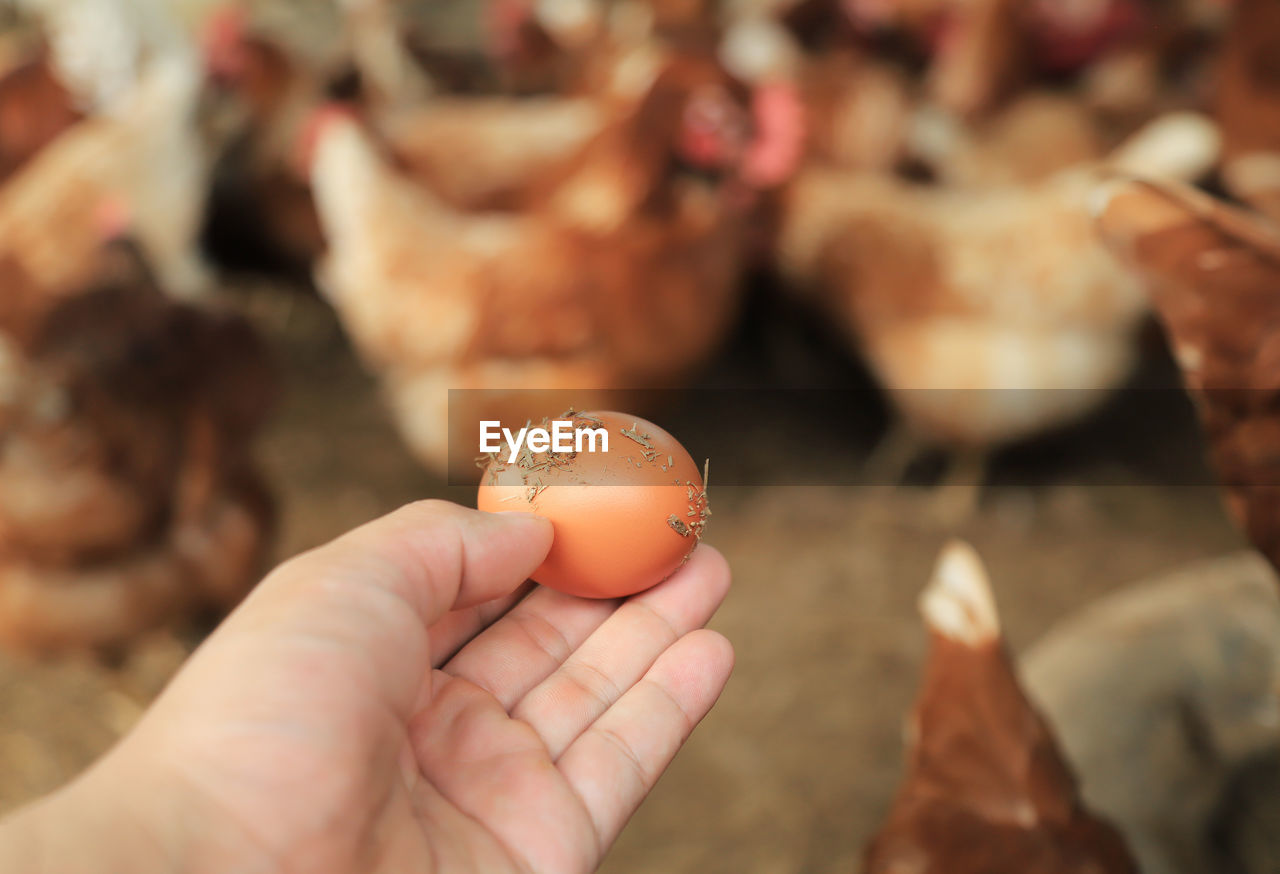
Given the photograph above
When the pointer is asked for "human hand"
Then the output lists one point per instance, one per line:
(398, 701)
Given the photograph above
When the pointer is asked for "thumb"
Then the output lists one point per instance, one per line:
(433, 555)
(368, 598)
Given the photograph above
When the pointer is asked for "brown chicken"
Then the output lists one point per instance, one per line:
(35, 107)
(981, 52)
(1248, 104)
(553, 46)
(146, 156)
(511, 145)
(986, 790)
(865, 113)
(390, 75)
(620, 271)
(988, 314)
(476, 152)
(856, 110)
(508, 143)
(127, 495)
(980, 56)
(1214, 275)
(536, 48)
(984, 50)
(1032, 137)
(262, 212)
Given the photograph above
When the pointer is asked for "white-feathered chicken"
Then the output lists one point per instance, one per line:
(145, 158)
(101, 47)
(619, 271)
(988, 314)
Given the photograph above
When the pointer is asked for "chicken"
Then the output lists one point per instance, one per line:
(1163, 695)
(981, 52)
(865, 113)
(873, 17)
(620, 271)
(981, 55)
(856, 110)
(976, 49)
(509, 144)
(1051, 38)
(513, 144)
(389, 73)
(538, 45)
(261, 212)
(100, 48)
(987, 790)
(555, 46)
(35, 107)
(477, 152)
(1213, 274)
(148, 154)
(988, 314)
(1248, 104)
(474, 151)
(127, 495)
(859, 112)
(1032, 137)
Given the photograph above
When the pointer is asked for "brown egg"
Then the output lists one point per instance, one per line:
(625, 519)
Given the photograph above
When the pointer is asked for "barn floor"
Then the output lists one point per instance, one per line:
(794, 767)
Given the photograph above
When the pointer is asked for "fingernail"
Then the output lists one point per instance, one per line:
(514, 514)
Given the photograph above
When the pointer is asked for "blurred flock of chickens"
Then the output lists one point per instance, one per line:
(978, 194)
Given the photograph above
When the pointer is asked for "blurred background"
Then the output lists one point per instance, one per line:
(246, 250)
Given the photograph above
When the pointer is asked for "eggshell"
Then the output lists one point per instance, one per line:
(624, 520)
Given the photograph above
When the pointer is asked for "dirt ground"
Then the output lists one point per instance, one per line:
(796, 764)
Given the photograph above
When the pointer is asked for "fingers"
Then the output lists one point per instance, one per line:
(529, 643)
(616, 761)
(365, 601)
(436, 555)
(456, 628)
(622, 649)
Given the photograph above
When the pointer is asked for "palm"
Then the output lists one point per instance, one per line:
(508, 808)
(420, 812)
(531, 740)
(538, 739)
